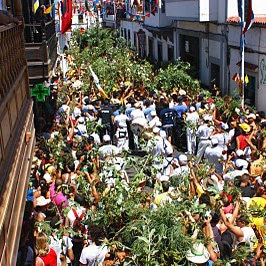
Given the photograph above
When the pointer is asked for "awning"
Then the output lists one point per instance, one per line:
(157, 29)
(249, 66)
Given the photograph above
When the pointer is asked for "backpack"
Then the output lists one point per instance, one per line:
(77, 225)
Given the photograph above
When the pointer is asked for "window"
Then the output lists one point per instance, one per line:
(170, 52)
(163, 6)
(160, 52)
(128, 37)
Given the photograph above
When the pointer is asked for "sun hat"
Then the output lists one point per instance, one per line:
(245, 127)
(42, 201)
(198, 253)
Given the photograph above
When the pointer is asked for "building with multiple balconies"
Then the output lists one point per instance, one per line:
(27, 57)
(205, 33)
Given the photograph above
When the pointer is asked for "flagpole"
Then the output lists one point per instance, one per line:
(243, 54)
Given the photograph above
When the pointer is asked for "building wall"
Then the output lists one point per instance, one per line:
(255, 54)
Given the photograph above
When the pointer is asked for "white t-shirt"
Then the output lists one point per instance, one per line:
(93, 255)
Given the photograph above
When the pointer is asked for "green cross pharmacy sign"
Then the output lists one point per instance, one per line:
(39, 91)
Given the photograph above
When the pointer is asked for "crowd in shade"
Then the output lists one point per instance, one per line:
(85, 139)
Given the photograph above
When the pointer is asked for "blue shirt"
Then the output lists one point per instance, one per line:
(167, 116)
(180, 109)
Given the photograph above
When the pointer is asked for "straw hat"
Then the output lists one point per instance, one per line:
(198, 253)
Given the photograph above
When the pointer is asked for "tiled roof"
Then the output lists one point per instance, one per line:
(259, 19)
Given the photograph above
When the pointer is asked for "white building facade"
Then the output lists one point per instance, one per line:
(206, 33)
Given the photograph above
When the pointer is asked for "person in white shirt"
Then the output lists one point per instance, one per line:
(107, 149)
(204, 132)
(121, 136)
(214, 155)
(192, 120)
(138, 123)
(95, 253)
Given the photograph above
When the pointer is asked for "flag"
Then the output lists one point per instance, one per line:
(246, 79)
(49, 9)
(66, 15)
(35, 5)
(97, 82)
(236, 78)
(248, 16)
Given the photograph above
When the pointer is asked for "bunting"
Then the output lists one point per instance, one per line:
(138, 18)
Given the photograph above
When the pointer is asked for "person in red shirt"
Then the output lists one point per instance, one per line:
(46, 256)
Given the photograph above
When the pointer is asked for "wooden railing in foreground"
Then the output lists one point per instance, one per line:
(12, 55)
(16, 139)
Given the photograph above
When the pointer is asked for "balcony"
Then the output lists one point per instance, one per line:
(16, 138)
(193, 10)
(41, 50)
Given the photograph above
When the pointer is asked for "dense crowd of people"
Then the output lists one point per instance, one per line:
(183, 132)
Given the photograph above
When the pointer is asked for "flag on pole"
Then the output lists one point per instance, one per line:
(66, 15)
(248, 16)
(35, 5)
(97, 83)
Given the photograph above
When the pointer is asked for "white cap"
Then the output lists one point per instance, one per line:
(81, 120)
(90, 107)
(241, 163)
(153, 113)
(169, 150)
(239, 153)
(253, 116)
(192, 109)
(47, 177)
(164, 178)
(106, 138)
(214, 141)
(163, 134)
(77, 112)
(182, 158)
(155, 130)
(42, 201)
